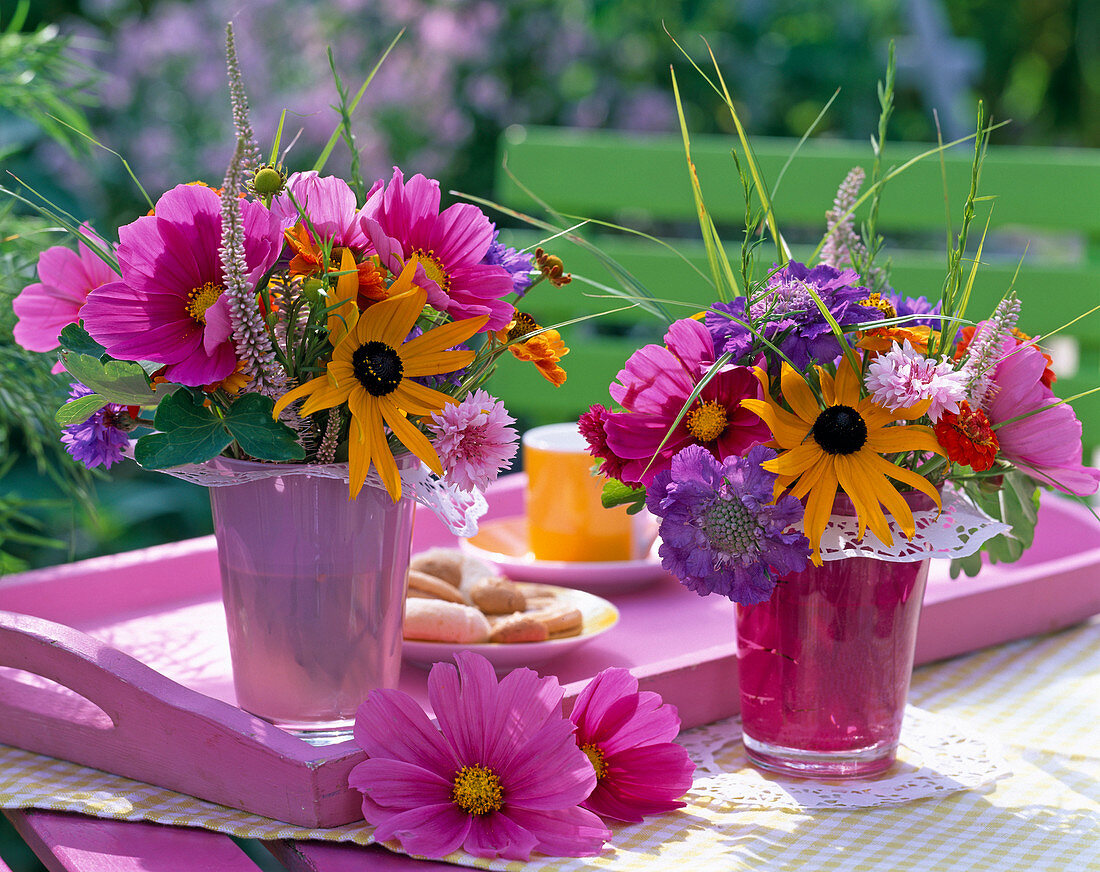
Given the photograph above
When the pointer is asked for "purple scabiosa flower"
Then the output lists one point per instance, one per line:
(786, 314)
(516, 263)
(473, 440)
(628, 737)
(501, 776)
(720, 531)
(902, 377)
(99, 440)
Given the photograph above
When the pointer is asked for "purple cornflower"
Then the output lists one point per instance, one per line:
(99, 440)
(518, 264)
(719, 531)
(789, 317)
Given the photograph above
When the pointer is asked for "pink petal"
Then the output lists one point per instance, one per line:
(692, 344)
(429, 831)
(461, 234)
(395, 784)
(391, 724)
(43, 312)
(388, 249)
(551, 771)
(219, 325)
(571, 832)
(496, 835)
(462, 700)
(201, 369)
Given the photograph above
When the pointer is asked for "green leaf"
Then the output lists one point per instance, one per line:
(190, 433)
(250, 422)
(615, 493)
(117, 380)
(79, 410)
(77, 340)
(1016, 502)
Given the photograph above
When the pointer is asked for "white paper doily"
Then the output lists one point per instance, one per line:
(937, 756)
(460, 510)
(958, 531)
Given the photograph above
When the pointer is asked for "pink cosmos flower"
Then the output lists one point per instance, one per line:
(501, 776)
(330, 204)
(473, 440)
(169, 306)
(67, 277)
(1045, 444)
(403, 222)
(654, 387)
(903, 377)
(627, 736)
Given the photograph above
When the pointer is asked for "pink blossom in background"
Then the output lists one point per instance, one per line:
(902, 377)
(653, 388)
(66, 279)
(1047, 443)
(501, 776)
(473, 440)
(403, 222)
(170, 305)
(628, 736)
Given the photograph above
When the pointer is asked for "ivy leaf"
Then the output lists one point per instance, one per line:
(79, 410)
(250, 422)
(192, 433)
(76, 339)
(189, 433)
(1016, 502)
(615, 493)
(117, 380)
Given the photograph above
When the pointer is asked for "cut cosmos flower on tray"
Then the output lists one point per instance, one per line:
(377, 309)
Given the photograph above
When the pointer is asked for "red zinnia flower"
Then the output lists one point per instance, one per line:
(967, 437)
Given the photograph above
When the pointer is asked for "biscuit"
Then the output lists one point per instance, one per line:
(560, 620)
(444, 563)
(435, 620)
(497, 596)
(517, 628)
(423, 585)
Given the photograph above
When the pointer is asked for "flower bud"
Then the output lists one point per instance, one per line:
(269, 181)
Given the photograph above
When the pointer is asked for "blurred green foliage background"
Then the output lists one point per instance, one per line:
(145, 78)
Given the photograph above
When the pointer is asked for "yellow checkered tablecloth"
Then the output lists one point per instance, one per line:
(1039, 699)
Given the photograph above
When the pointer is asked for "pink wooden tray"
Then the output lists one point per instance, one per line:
(121, 662)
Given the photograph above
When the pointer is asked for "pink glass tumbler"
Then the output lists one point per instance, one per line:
(314, 591)
(824, 667)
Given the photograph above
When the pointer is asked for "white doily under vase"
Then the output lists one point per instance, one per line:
(937, 756)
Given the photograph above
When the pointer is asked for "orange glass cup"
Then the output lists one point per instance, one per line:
(565, 518)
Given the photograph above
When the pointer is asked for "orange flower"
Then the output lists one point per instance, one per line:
(882, 338)
(541, 346)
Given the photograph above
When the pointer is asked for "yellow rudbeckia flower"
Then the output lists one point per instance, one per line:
(842, 445)
(371, 370)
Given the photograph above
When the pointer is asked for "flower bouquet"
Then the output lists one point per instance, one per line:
(273, 339)
(811, 439)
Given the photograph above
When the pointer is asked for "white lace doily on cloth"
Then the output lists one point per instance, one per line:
(460, 510)
(937, 756)
(958, 531)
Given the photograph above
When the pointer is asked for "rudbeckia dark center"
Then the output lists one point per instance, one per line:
(840, 430)
(378, 368)
(477, 790)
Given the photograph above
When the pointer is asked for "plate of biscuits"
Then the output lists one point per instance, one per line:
(459, 603)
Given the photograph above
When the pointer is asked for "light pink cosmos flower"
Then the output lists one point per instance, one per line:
(170, 305)
(66, 279)
(627, 736)
(330, 204)
(404, 223)
(473, 440)
(501, 776)
(653, 388)
(1046, 444)
(902, 377)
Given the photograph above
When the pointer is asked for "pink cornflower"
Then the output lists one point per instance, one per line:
(653, 388)
(627, 737)
(404, 223)
(66, 279)
(501, 776)
(902, 377)
(1046, 444)
(473, 439)
(170, 306)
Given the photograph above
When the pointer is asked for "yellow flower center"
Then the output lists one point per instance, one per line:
(707, 421)
(596, 758)
(433, 268)
(201, 299)
(883, 305)
(477, 790)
